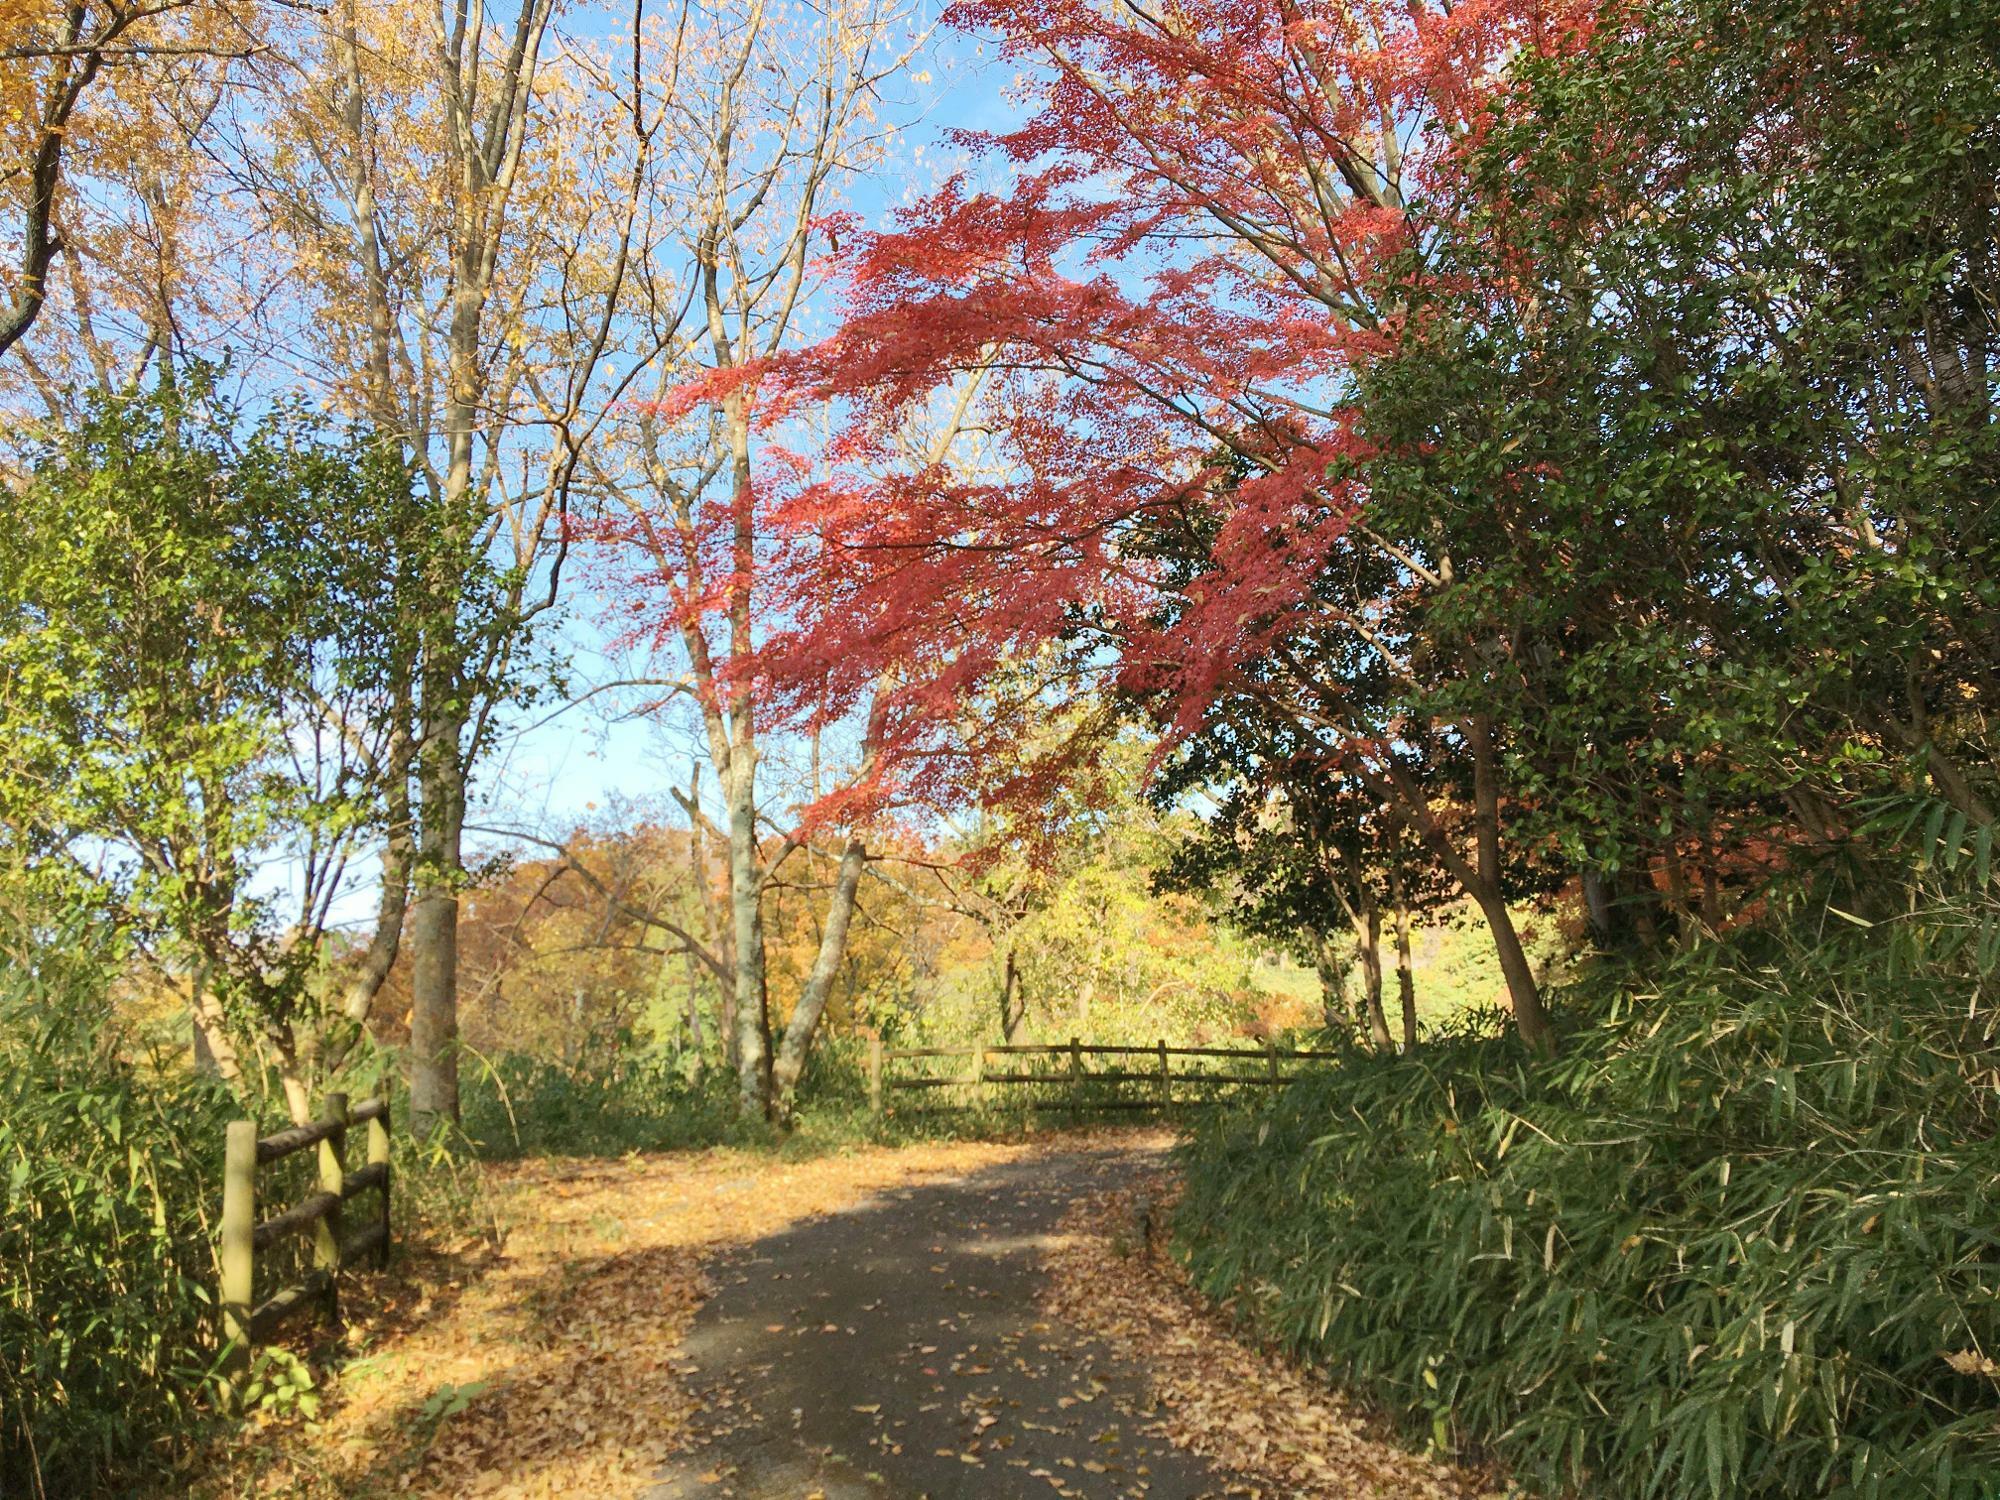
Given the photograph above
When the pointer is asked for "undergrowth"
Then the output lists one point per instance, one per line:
(626, 1099)
(516, 1105)
(1738, 1240)
(106, 1200)
(110, 1173)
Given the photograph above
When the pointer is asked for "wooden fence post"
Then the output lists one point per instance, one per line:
(332, 1178)
(979, 1072)
(875, 1073)
(1166, 1084)
(244, 1321)
(1076, 1072)
(1271, 1057)
(378, 1155)
(238, 1249)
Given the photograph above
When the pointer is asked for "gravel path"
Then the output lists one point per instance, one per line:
(896, 1350)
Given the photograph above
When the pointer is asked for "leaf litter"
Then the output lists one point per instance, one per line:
(1250, 1411)
(552, 1366)
(549, 1366)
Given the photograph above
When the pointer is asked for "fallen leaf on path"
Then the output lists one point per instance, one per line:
(553, 1369)
(1248, 1410)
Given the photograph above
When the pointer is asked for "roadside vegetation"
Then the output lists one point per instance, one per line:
(1744, 1210)
(1463, 535)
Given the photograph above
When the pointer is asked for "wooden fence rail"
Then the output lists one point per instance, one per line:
(1065, 1067)
(247, 1322)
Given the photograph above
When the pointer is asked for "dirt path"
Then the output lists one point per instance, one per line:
(941, 1320)
(896, 1350)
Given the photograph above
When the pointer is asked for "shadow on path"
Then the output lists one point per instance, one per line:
(896, 1350)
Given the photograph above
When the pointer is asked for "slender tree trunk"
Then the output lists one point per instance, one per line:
(1368, 937)
(1677, 894)
(441, 771)
(716, 931)
(797, 1042)
(214, 1053)
(1710, 898)
(1480, 876)
(1605, 927)
(1516, 970)
(697, 922)
(692, 976)
(433, 1008)
(292, 1077)
(1357, 901)
(433, 935)
(1634, 891)
(726, 1025)
(487, 129)
(753, 1022)
(358, 994)
(205, 1064)
(1010, 987)
(1406, 977)
(392, 906)
(753, 1054)
(1333, 967)
(1523, 990)
(574, 1043)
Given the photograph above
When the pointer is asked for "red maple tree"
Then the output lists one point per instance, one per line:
(1160, 317)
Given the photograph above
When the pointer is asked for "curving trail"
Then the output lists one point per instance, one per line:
(896, 1351)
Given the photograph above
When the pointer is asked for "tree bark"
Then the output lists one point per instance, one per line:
(696, 1040)
(1523, 990)
(753, 1048)
(1332, 967)
(1010, 989)
(1518, 972)
(433, 935)
(291, 1076)
(486, 113)
(1598, 911)
(1480, 876)
(716, 932)
(214, 1051)
(357, 996)
(1368, 938)
(1406, 978)
(797, 1042)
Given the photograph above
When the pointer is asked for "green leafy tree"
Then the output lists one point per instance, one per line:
(1321, 869)
(204, 675)
(1079, 939)
(1704, 428)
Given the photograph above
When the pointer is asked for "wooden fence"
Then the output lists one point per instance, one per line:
(246, 1321)
(1056, 1076)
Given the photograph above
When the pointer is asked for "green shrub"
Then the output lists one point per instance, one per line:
(629, 1099)
(1739, 1240)
(516, 1105)
(110, 1174)
(106, 1175)
(836, 1075)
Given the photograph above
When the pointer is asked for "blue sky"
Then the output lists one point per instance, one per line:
(558, 768)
